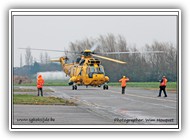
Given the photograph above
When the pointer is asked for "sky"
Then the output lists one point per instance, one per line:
(56, 32)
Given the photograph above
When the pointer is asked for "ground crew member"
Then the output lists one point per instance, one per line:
(40, 83)
(123, 83)
(163, 83)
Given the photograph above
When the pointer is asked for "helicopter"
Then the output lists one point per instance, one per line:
(87, 70)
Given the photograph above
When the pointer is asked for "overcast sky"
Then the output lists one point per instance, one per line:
(56, 32)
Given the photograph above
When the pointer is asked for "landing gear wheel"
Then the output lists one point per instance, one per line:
(74, 87)
(105, 87)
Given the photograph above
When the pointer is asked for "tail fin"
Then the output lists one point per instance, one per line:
(61, 60)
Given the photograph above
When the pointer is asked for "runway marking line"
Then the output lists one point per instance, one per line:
(145, 97)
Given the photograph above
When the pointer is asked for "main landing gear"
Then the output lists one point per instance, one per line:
(74, 87)
(105, 87)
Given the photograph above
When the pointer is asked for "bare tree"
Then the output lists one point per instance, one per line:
(28, 57)
(21, 60)
(41, 58)
(162, 63)
(47, 58)
(139, 67)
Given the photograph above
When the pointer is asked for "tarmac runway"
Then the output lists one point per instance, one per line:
(98, 106)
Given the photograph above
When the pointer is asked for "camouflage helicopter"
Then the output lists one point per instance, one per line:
(87, 69)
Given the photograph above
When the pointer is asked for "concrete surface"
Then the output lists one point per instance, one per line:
(98, 106)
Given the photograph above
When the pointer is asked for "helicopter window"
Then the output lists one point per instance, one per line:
(92, 69)
(80, 73)
(78, 60)
(87, 53)
(101, 69)
(81, 62)
(97, 69)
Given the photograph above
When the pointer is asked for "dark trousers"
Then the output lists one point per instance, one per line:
(123, 90)
(162, 88)
(40, 90)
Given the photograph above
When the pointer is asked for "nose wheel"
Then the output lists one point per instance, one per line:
(105, 87)
(74, 87)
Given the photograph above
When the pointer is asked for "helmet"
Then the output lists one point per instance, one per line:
(163, 76)
(123, 76)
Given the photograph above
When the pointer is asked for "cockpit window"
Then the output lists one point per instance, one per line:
(87, 53)
(99, 69)
(94, 70)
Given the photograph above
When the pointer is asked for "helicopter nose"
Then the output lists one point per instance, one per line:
(97, 76)
(98, 79)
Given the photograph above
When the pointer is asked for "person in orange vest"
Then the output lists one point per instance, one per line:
(123, 83)
(163, 84)
(40, 83)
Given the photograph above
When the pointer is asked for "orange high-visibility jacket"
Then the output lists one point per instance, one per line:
(164, 82)
(40, 81)
(123, 81)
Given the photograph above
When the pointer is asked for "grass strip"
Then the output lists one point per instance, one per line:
(171, 86)
(38, 100)
(30, 90)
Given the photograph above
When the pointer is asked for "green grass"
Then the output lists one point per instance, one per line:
(38, 100)
(47, 83)
(146, 85)
(172, 86)
(29, 90)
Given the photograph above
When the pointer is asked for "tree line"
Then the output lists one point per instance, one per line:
(140, 66)
(33, 66)
(30, 60)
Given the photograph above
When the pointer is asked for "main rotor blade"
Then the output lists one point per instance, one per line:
(49, 50)
(131, 52)
(93, 48)
(110, 59)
